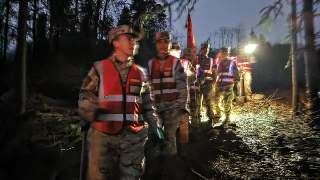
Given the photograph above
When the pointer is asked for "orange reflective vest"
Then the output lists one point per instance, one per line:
(122, 101)
(242, 63)
(225, 73)
(206, 65)
(163, 82)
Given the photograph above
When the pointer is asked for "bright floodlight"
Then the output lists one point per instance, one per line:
(250, 48)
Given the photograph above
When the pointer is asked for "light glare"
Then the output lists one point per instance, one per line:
(250, 48)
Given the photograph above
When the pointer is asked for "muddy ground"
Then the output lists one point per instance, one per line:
(265, 143)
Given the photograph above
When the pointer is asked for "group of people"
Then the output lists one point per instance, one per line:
(127, 106)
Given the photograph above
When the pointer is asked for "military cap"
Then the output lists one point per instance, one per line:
(164, 35)
(205, 46)
(122, 29)
(188, 51)
(175, 46)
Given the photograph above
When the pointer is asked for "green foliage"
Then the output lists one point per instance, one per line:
(265, 18)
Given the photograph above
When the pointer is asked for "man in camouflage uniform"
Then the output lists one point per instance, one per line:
(114, 99)
(227, 76)
(169, 90)
(194, 87)
(208, 66)
(191, 78)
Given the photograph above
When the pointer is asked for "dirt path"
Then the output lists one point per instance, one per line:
(265, 143)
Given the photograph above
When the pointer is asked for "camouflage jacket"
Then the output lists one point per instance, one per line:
(88, 97)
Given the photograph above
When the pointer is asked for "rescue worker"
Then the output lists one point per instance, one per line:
(218, 58)
(191, 78)
(169, 90)
(115, 99)
(194, 88)
(244, 68)
(227, 76)
(208, 66)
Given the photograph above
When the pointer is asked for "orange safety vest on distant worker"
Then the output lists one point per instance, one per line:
(225, 73)
(242, 63)
(206, 66)
(163, 82)
(122, 102)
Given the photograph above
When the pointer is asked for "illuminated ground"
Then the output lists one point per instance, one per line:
(265, 143)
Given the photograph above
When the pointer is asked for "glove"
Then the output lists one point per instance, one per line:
(84, 125)
(159, 133)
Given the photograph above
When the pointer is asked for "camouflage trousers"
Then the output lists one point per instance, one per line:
(195, 104)
(207, 92)
(247, 81)
(171, 119)
(119, 156)
(222, 99)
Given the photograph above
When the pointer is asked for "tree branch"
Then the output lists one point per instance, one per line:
(268, 9)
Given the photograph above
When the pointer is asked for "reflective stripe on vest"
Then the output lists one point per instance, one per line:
(119, 117)
(206, 66)
(136, 99)
(243, 63)
(119, 110)
(168, 91)
(163, 82)
(225, 74)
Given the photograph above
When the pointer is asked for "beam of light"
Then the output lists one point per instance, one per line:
(250, 48)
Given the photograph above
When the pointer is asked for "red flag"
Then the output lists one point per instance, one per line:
(190, 38)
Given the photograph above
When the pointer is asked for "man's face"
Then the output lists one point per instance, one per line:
(224, 55)
(204, 51)
(189, 57)
(125, 44)
(163, 46)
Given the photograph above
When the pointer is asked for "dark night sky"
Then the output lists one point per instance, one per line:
(209, 15)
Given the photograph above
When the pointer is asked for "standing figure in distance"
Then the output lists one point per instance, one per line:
(207, 65)
(194, 87)
(191, 78)
(244, 68)
(227, 76)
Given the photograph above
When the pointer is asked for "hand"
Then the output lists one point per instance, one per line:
(84, 125)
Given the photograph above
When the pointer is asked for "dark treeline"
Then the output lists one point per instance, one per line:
(65, 37)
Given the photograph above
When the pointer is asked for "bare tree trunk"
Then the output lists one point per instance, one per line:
(294, 56)
(96, 20)
(52, 31)
(104, 16)
(21, 55)
(6, 29)
(34, 32)
(312, 64)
